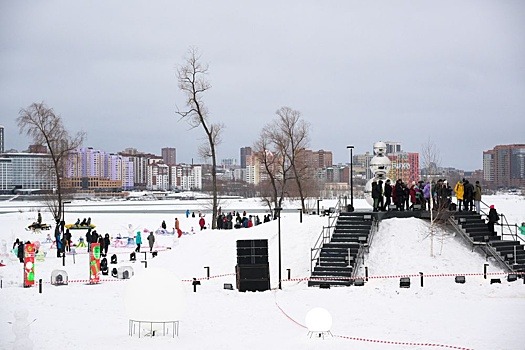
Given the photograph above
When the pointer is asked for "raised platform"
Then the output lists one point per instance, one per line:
(420, 214)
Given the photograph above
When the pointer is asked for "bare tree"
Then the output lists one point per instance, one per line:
(439, 212)
(46, 128)
(431, 158)
(296, 133)
(193, 83)
(274, 175)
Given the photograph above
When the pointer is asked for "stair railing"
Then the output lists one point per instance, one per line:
(364, 248)
(509, 229)
(325, 236)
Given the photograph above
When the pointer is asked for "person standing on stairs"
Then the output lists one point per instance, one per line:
(493, 218)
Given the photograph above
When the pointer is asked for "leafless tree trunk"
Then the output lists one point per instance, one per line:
(296, 134)
(431, 158)
(431, 162)
(269, 154)
(45, 128)
(193, 83)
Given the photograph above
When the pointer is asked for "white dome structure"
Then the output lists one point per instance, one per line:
(155, 295)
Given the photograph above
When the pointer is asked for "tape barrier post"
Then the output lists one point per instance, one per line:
(421, 274)
(207, 272)
(40, 286)
(94, 263)
(29, 265)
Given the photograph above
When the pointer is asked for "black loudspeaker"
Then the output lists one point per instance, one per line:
(114, 259)
(132, 257)
(252, 252)
(253, 277)
(114, 272)
(104, 266)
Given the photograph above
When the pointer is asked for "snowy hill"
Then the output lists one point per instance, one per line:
(379, 315)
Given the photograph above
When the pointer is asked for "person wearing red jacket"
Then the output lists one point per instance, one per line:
(202, 223)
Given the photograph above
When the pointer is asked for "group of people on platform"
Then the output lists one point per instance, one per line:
(226, 221)
(420, 195)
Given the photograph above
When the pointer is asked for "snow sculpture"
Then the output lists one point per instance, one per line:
(166, 300)
(3, 248)
(21, 329)
(319, 322)
(379, 165)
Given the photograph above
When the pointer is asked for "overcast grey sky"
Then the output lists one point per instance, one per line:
(358, 71)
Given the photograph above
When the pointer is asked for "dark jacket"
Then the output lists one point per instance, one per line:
(493, 216)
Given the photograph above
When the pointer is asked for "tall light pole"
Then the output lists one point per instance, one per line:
(278, 210)
(351, 148)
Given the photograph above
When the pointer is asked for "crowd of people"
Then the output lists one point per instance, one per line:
(420, 195)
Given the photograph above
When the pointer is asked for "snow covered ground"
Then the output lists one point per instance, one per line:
(379, 315)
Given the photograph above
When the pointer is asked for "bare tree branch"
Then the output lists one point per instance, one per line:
(193, 83)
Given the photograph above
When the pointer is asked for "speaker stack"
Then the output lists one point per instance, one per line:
(253, 270)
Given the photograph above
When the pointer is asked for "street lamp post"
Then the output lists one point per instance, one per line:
(278, 210)
(351, 148)
(64, 210)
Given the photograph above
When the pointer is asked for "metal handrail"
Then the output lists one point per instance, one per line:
(324, 236)
(487, 249)
(515, 236)
(360, 258)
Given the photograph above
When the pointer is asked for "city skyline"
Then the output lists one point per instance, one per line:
(359, 73)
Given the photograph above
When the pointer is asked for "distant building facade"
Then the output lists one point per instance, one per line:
(504, 166)
(169, 155)
(24, 171)
(245, 153)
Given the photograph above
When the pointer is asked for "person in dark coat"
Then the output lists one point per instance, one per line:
(468, 195)
(400, 195)
(106, 243)
(20, 252)
(375, 195)
(493, 218)
(163, 225)
(151, 240)
(88, 238)
(67, 240)
(102, 244)
(58, 241)
(388, 194)
(94, 236)
(381, 202)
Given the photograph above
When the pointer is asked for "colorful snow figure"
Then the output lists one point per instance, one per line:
(94, 263)
(29, 265)
(81, 242)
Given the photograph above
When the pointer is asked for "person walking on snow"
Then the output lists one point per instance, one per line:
(202, 223)
(138, 241)
(151, 241)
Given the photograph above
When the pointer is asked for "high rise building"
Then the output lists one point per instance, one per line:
(505, 165)
(245, 152)
(1, 139)
(322, 159)
(393, 147)
(26, 171)
(169, 155)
